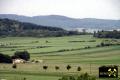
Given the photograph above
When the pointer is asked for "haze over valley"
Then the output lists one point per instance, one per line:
(67, 22)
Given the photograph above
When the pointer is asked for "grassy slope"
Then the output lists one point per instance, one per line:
(54, 43)
(94, 56)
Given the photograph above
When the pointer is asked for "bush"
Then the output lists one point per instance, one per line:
(63, 50)
(67, 78)
(24, 78)
(87, 47)
(92, 41)
(85, 77)
(5, 58)
(14, 66)
(105, 44)
(64, 78)
(12, 49)
(68, 67)
(98, 46)
(23, 55)
(71, 78)
(81, 77)
(45, 67)
(79, 68)
(56, 67)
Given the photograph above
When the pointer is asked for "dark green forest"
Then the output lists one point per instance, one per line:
(15, 28)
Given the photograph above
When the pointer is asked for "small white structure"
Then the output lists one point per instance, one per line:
(40, 61)
(17, 61)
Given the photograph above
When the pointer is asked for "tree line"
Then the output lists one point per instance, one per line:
(107, 34)
(18, 54)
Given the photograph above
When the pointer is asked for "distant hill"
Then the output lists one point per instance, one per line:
(66, 22)
(15, 28)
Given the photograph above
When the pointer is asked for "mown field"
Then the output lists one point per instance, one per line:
(58, 51)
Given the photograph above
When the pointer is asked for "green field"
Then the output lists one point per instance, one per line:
(58, 51)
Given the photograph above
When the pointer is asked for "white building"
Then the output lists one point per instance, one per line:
(89, 30)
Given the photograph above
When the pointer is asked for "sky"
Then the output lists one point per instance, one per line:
(102, 9)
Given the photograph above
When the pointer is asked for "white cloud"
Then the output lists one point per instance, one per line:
(73, 8)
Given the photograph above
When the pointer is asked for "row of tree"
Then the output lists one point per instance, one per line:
(107, 34)
(8, 59)
(68, 67)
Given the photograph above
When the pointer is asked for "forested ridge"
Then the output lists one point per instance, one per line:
(15, 28)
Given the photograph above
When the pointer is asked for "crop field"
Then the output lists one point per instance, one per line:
(80, 50)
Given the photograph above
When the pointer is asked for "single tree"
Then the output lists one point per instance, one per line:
(45, 67)
(14, 66)
(22, 54)
(56, 67)
(5, 58)
(79, 68)
(68, 67)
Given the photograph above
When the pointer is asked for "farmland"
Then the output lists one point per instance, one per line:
(76, 51)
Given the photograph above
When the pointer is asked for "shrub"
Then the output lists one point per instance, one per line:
(67, 78)
(36, 61)
(71, 78)
(47, 41)
(14, 66)
(81, 77)
(97, 45)
(23, 55)
(56, 67)
(24, 78)
(32, 60)
(5, 58)
(87, 47)
(85, 77)
(63, 50)
(36, 42)
(102, 44)
(45, 67)
(12, 49)
(68, 67)
(64, 78)
(79, 68)
(92, 41)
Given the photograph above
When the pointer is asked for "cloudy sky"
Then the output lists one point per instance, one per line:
(103, 9)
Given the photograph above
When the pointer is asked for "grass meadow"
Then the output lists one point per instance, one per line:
(75, 51)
